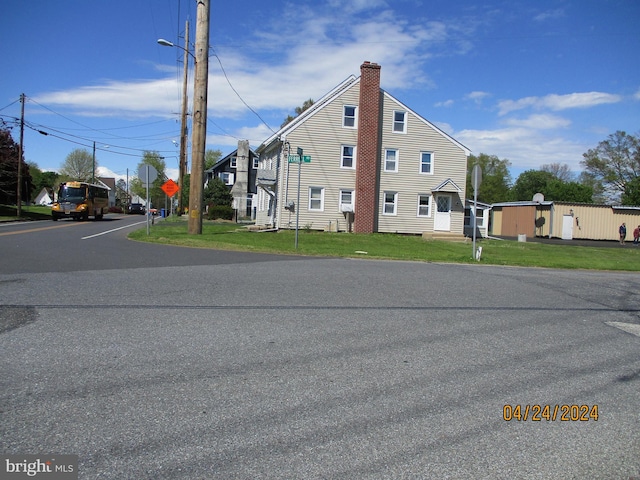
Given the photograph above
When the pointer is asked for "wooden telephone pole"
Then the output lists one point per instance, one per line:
(199, 127)
(20, 150)
(183, 122)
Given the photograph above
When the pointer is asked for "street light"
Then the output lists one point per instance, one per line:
(182, 164)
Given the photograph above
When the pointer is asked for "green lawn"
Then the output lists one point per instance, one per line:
(227, 236)
(32, 212)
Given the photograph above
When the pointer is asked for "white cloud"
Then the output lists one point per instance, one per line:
(277, 73)
(559, 102)
(540, 122)
(637, 95)
(549, 15)
(446, 104)
(477, 96)
(525, 148)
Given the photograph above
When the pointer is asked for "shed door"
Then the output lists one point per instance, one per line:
(443, 213)
(567, 227)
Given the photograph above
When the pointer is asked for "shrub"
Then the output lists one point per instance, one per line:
(222, 212)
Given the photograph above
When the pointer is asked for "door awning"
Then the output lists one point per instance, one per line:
(448, 186)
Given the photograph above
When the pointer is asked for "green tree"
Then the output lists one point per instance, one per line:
(42, 179)
(299, 110)
(560, 191)
(122, 197)
(496, 179)
(614, 163)
(156, 194)
(560, 171)
(9, 154)
(186, 184)
(631, 194)
(78, 165)
(529, 183)
(588, 180)
(217, 193)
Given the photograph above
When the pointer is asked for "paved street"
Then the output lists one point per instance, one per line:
(289, 367)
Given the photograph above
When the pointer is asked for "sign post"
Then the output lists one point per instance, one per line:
(300, 152)
(476, 180)
(147, 174)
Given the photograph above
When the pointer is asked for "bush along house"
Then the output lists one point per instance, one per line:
(370, 164)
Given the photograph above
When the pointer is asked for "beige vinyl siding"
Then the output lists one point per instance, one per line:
(449, 161)
(321, 136)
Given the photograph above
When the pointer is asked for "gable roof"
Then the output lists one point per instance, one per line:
(428, 123)
(332, 95)
(312, 110)
(447, 186)
(227, 158)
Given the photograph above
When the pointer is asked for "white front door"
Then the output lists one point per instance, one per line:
(567, 227)
(442, 219)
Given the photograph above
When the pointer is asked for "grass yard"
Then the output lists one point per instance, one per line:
(228, 236)
(31, 212)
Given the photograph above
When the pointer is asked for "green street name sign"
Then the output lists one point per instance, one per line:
(296, 158)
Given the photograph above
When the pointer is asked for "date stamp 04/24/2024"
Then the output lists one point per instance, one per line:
(550, 413)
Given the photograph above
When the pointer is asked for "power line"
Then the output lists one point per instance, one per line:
(236, 92)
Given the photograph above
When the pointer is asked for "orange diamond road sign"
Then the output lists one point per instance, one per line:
(170, 187)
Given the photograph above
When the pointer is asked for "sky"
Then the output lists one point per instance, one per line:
(534, 83)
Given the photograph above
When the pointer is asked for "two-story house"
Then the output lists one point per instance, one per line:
(375, 165)
(238, 171)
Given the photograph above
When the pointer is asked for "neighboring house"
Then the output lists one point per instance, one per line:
(239, 171)
(563, 220)
(373, 162)
(482, 212)
(45, 197)
(110, 183)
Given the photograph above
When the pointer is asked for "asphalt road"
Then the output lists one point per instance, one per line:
(194, 364)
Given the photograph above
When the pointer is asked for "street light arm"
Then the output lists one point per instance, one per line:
(167, 43)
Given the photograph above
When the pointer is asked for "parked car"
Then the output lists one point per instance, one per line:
(136, 208)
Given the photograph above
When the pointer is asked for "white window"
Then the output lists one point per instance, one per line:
(256, 162)
(399, 122)
(349, 116)
(391, 160)
(426, 162)
(227, 177)
(346, 201)
(233, 162)
(424, 205)
(347, 159)
(468, 217)
(390, 203)
(316, 198)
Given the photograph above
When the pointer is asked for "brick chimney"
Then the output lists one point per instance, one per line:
(368, 162)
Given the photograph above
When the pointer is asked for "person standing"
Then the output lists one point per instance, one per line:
(623, 233)
(636, 235)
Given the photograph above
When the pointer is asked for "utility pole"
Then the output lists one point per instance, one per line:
(93, 170)
(183, 122)
(199, 136)
(20, 150)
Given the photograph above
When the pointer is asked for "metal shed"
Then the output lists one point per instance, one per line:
(562, 220)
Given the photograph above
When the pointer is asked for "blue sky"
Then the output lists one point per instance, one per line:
(531, 82)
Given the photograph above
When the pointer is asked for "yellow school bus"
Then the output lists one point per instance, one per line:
(80, 200)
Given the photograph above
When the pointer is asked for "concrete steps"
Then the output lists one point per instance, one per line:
(445, 237)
